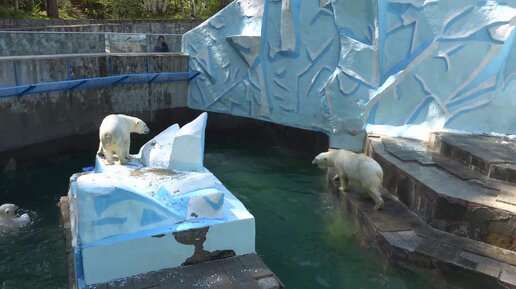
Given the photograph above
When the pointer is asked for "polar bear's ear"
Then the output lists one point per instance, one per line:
(7, 211)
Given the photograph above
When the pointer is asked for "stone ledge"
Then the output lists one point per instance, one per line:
(494, 157)
(404, 239)
(446, 194)
(247, 271)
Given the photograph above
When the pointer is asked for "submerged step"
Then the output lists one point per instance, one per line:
(447, 195)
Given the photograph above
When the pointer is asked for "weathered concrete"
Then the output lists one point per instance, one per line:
(443, 216)
(479, 154)
(120, 26)
(243, 272)
(37, 118)
(404, 239)
(43, 117)
(13, 43)
(448, 195)
(19, 70)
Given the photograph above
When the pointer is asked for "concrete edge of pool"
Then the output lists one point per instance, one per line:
(428, 224)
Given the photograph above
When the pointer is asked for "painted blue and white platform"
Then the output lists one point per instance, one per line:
(162, 210)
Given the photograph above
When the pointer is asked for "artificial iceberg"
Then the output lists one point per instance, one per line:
(162, 210)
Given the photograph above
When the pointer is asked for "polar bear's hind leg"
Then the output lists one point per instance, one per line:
(121, 153)
(376, 195)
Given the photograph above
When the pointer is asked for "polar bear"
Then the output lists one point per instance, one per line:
(9, 216)
(357, 170)
(115, 138)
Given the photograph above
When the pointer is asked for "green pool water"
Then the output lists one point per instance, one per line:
(302, 234)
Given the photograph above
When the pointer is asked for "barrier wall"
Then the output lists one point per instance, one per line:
(13, 43)
(37, 118)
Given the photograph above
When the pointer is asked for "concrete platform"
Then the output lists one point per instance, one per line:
(454, 194)
(494, 157)
(445, 213)
(247, 271)
(405, 239)
(240, 272)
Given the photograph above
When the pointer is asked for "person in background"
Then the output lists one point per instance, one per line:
(161, 45)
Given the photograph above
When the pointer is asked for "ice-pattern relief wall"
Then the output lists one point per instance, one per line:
(339, 66)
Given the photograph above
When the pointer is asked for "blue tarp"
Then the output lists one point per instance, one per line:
(95, 82)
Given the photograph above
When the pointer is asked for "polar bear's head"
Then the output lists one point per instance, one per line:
(140, 127)
(323, 160)
(8, 211)
(9, 216)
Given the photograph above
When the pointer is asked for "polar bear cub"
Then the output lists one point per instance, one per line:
(115, 136)
(10, 218)
(357, 170)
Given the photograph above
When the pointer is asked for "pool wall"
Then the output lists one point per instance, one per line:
(37, 118)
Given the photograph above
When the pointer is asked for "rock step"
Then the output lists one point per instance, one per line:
(492, 156)
(445, 194)
(406, 240)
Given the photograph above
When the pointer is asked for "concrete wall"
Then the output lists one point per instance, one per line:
(21, 70)
(45, 43)
(38, 118)
(120, 26)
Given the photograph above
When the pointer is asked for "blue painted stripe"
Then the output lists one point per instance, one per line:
(64, 85)
(183, 226)
(214, 205)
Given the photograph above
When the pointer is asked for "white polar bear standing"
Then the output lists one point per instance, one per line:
(358, 170)
(115, 136)
(9, 217)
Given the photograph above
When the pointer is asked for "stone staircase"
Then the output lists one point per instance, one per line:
(450, 209)
(449, 186)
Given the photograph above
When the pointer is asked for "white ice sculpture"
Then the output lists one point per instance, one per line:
(188, 146)
(177, 148)
(122, 214)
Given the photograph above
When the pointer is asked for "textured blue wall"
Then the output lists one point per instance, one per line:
(339, 66)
